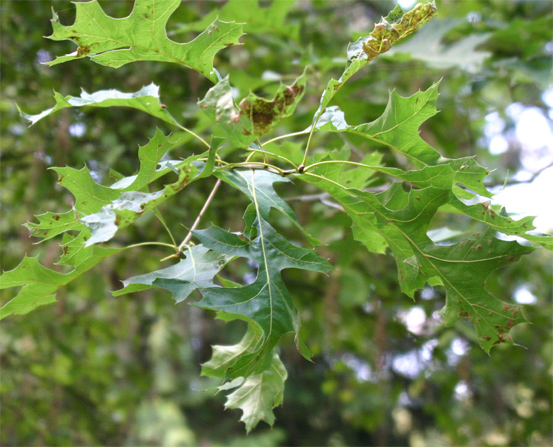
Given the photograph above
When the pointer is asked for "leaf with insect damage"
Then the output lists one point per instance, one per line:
(254, 116)
(142, 36)
(393, 27)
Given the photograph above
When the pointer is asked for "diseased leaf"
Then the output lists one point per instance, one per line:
(492, 216)
(146, 99)
(52, 224)
(401, 219)
(463, 269)
(254, 116)
(195, 272)
(392, 28)
(141, 36)
(218, 105)
(265, 114)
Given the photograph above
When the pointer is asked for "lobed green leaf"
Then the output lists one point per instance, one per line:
(195, 272)
(142, 36)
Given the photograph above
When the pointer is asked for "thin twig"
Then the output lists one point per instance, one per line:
(197, 221)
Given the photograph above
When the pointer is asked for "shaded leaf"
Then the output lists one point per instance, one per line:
(195, 272)
(264, 195)
(402, 219)
(427, 45)
(266, 302)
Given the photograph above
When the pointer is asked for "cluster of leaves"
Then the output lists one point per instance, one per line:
(395, 220)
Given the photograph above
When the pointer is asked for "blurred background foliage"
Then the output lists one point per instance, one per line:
(92, 369)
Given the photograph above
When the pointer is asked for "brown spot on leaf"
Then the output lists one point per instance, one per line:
(264, 113)
(83, 50)
(506, 307)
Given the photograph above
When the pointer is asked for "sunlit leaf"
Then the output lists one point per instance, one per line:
(146, 99)
(141, 36)
(40, 283)
(259, 393)
(263, 20)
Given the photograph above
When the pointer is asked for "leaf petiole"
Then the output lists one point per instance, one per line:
(141, 244)
(200, 215)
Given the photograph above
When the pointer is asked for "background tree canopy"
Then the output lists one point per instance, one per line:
(94, 369)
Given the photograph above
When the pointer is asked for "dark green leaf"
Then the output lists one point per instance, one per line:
(266, 302)
(195, 272)
(264, 194)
